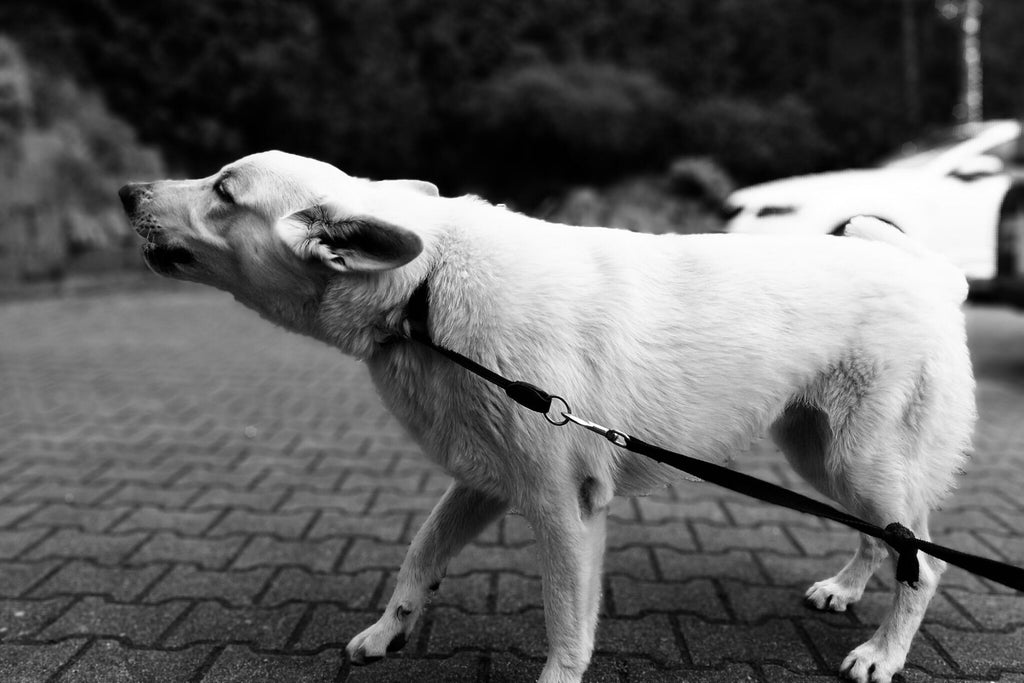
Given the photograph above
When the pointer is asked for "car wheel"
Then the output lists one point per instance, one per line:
(1010, 242)
(840, 230)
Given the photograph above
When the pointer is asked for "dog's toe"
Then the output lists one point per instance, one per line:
(831, 596)
(386, 636)
(870, 663)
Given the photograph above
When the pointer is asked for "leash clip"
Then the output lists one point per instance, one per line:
(616, 437)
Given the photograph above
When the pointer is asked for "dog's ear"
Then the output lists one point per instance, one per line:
(421, 186)
(351, 243)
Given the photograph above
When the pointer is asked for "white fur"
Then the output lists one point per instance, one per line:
(850, 352)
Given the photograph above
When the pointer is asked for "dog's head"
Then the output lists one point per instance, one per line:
(274, 225)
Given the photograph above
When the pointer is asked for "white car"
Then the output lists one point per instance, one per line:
(944, 190)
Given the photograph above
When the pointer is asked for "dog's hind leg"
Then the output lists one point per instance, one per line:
(885, 653)
(803, 434)
(835, 593)
(571, 540)
(458, 517)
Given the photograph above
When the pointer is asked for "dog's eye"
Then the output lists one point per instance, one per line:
(222, 191)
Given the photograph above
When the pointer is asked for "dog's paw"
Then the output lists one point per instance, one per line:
(869, 663)
(389, 634)
(831, 595)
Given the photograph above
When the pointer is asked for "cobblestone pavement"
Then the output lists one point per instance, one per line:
(188, 493)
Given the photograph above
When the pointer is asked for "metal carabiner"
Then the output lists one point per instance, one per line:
(615, 436)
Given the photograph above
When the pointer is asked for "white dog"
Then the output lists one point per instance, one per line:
(850, 352)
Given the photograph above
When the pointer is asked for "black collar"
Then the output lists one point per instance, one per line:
(417, 311)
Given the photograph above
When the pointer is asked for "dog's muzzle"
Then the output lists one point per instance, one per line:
(161, 257)
(130, 196)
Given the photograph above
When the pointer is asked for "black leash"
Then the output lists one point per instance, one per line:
(897, 536)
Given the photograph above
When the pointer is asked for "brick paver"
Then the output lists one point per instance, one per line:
(188, 493)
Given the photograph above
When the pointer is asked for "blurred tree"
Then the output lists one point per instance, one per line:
(502, 94)
(64, 156)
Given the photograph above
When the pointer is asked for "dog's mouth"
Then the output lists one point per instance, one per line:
(164, 259)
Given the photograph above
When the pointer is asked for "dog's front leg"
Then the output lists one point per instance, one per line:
(571, 543)
(458, 517)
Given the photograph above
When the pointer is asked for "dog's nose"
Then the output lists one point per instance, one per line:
(129, 195)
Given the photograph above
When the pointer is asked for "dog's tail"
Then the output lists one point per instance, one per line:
(868, 228)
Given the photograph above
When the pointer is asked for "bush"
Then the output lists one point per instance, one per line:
(647, 203)
(65, 155)
(581, 121)
(756, 141)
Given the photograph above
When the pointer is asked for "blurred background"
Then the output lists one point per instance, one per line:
(636, 114)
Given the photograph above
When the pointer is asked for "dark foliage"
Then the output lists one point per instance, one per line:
(516, 98)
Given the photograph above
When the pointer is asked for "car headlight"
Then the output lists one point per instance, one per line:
(778, 210)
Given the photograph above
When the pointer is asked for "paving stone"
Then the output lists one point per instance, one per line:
(801, 572)
(994, 612)
(824, 541)
(453, 630)
(774, 641)
(875, 605)
(651, 636)
(238, 588)
(713, 538)
(168, 498)
(89, 519)
(463, 667)
(140, 624)
(278, 479)
(13, 543)
(982, 654)
(515, 530)
(20, 618)
(747, 512)
(34, 663)
(13, 512)
(354, 503)
(635, 563)
(228, 479)
(317, 556)
(17, 577)
(208, 553)
(653, 510)
(356, 591)
(335, 524)
(371, 554)
(391, 502)
(402, 483)
(470, 593)
(754, 604)
(517, 593)
(220, 498)
(264, 628)
(698, 597)
(110, 661)
(283, 525)
(240, 665)
(332, 626)
(676, 566)
(670, 534)
(57, 492)
(120, 584)
(103, 548)
(187, 522)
